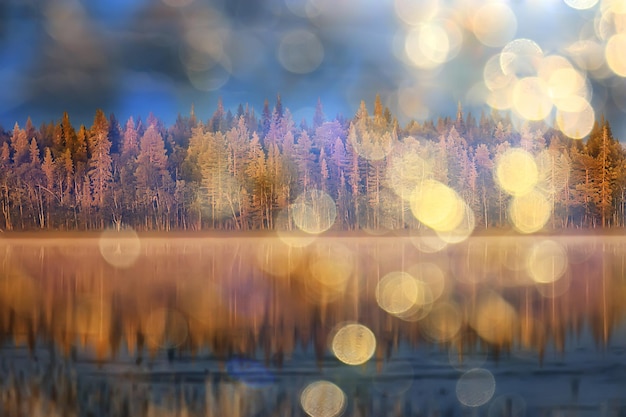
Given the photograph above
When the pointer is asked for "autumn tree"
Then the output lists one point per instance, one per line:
(240, 173)
(100, 174)
(154, 185)
(217, 123)
(79, 149)
(485, 182)
(305, 160)
(318, 118)
(19, 143)
(259, 184)
(6, 185)
(609, 158)
(49, 169)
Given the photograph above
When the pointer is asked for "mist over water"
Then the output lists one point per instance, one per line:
(326, 326)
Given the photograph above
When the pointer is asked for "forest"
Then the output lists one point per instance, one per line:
(243, 171)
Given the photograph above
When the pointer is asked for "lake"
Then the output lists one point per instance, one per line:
(286, 325)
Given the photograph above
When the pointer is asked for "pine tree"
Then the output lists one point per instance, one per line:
(266, 119)
(304, 159)
(286, 127)
(457, 160)
(130, 141)
(46, 134)
(326, 134)
(79, 151)
(66, 177)
(64, 137)
(502, 132)
(606, 178)
(48, 167)
(238, 139)
(459, 123)
(584, 191)
(279, 184)
(33, 180)
(354, 175)
(58, 139)
(373, 190)
(33, 151)
(604, 188)
(339, 162)
(388, 120)
(152, 149)
(273, 135)
(6, 185)
(229, 120)
(258, 184)
(361, 115)
(323, 174)
(151, 174)
(379, 119)
(343, 205)
(318, 117)
(100, 163)
(5, 156)
(485, 183)
(115, 134)
(30, 130)
(19, 143)
(218, 120)
(279, 106)
(85, 201)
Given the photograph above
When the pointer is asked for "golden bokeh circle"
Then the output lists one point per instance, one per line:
(494, 24)
(397, 292)
(475, 387)
(516, 171)
(547, 262)
(530, 212)
(437, 206)
(402, 295)
(521, 57)
(615, 56)
(330, 267)
(120, 248)
(354, 344)
(323, 399)
(494, 319)
(577, 123)
(493, 76)
(463, 230)
(531, 98)
(581, 4)
(314, 211)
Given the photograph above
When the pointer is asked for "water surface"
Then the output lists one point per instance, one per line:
(147, 326)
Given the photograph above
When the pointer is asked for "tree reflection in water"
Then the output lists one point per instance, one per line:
(242, 326)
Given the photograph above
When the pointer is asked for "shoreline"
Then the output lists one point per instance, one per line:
(226, 234)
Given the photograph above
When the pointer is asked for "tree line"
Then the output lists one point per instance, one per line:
(240, 171)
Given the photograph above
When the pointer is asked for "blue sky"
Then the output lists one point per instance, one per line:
(133, 57)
